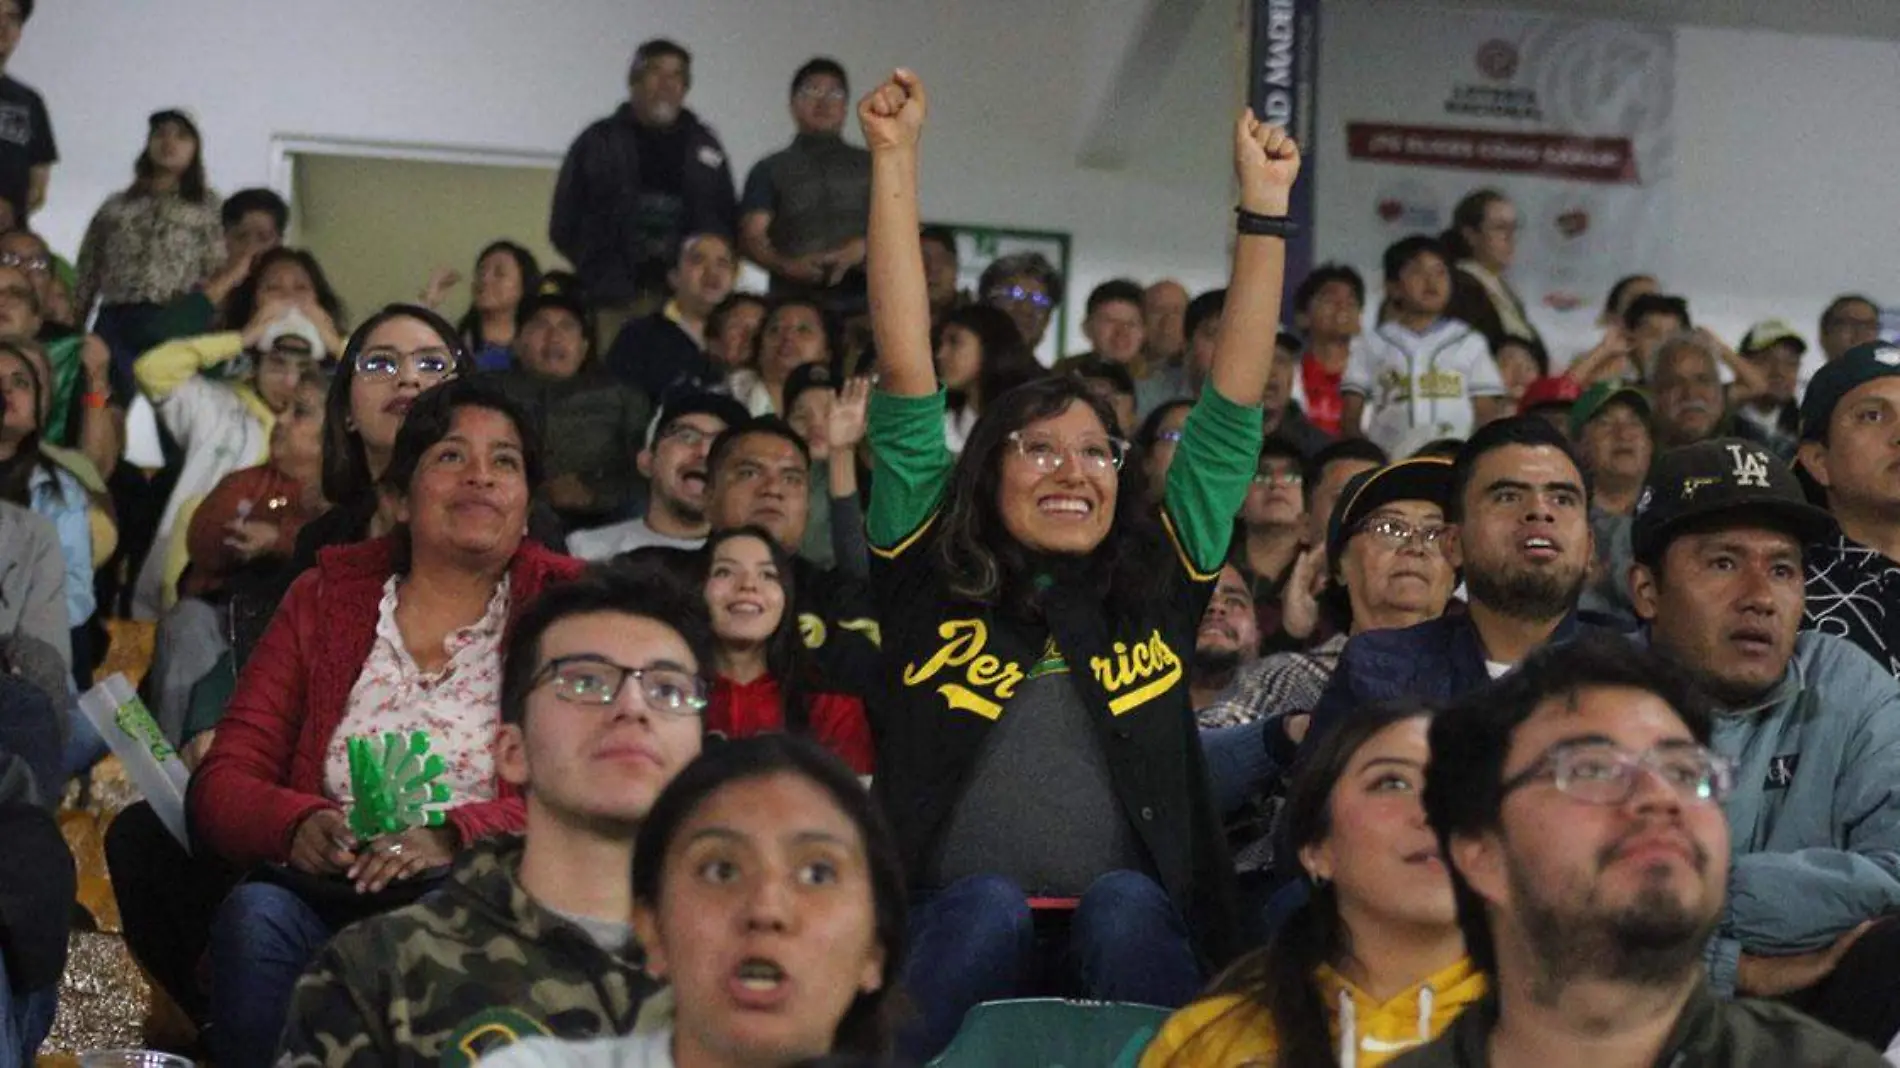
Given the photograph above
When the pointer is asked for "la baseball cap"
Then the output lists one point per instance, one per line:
(720, 406)
(1550, 391)
(1857, 366)
(1770, 332)
(1721, 476)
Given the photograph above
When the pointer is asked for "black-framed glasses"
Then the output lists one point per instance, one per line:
(1603, 773)
(1021, 295)
(1047, 453)
(595, 680)
(690, 436)
(1397, 533)
(383, 362)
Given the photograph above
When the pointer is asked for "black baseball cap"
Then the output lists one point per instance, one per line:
(720, 406)
(178, 115)
(1720, 477)
(558, 289)
(810, 376)
(1421, 478)
(1857, 366)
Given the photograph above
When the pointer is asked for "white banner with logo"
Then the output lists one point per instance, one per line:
(1570, 118)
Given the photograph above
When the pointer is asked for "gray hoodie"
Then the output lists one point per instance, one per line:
(33, 581)
(1814, 819)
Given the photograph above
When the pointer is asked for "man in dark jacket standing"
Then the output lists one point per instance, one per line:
(637, 181)
(1578, 809)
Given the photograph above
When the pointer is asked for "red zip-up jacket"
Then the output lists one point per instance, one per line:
(264, 773)
(742, 709)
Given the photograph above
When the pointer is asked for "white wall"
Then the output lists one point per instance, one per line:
(1786, 161)
(1012, 88)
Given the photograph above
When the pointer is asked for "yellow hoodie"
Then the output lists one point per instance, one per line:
(1227, 1032)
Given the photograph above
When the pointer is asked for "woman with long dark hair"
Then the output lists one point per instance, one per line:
(288, 278)
(980, 357)
(768, 893)
(152, 242)
(505, 273)
(762, 678)
(29, 478)
(1373, 963)
(1037, 617)
(1482, 241)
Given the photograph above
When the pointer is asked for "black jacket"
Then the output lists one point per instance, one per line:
(597, 196)
(950, 666)
(36, 883)
(1708, 1034)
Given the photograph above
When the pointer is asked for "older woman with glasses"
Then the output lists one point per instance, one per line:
(1037, 622)
(397, 635)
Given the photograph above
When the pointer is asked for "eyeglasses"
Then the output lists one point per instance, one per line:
(438, 362)
(833, 95)
(1172, 436)
(1397, 533)
(32, 264)
(1601, 773)
(1046, 452)
(1282, 477)
(1019, 295)
(690, 436)
(591, 680)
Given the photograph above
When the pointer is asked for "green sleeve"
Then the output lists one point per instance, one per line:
(188, 316)
(1207, 483)
(62, 355)
(910, 465)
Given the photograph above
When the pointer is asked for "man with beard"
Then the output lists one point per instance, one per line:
(1578, 808)
(1229, 640)
(675, 461)
(1811, 722)
(1518, 525)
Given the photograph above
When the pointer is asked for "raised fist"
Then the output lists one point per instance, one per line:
(892, 115)
(1265, 161)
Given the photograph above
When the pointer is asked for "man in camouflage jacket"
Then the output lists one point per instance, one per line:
(476, 966)
(602, 690)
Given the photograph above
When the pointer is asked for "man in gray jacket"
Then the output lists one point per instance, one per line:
(1811, 722)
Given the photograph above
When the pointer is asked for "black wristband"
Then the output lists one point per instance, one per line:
(1254, 223)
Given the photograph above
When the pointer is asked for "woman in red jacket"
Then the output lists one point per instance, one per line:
(400, 634)
(762, 680)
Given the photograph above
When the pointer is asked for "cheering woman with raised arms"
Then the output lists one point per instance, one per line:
(1037, 744)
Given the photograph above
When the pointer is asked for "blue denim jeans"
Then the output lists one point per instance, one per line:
(261, 939)
(975, 941)
(1238, 766)
(25, 1019)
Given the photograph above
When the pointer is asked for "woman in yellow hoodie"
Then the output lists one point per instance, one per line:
(1373, 964)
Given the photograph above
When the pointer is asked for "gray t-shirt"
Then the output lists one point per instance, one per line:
(610, 935)
(1040, 807)
(605, 543)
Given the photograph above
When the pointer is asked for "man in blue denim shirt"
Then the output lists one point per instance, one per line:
(1811, 722)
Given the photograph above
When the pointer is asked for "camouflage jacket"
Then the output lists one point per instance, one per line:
(460, 973)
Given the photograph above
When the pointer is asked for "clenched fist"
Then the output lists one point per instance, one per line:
(892, 114)
(1266, 161)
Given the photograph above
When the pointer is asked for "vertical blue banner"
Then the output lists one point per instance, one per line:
(1283, 88)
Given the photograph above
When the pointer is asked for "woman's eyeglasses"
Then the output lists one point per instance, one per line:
(1047, 453)
(436, 362)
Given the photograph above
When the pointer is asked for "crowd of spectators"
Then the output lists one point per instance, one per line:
(802, 670)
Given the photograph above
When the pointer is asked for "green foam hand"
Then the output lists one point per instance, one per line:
(395, 788)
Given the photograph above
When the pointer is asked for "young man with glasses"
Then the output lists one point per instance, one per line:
(1272, 531)
(1027, 287)
(1579, 810)
(1812, 722)
(674, 461)
(603, 686)
(803, 212)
